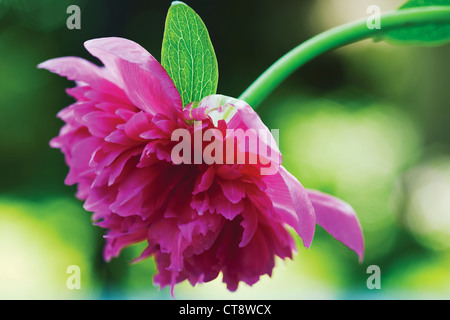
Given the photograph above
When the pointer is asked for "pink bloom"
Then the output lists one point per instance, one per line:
(197, 219)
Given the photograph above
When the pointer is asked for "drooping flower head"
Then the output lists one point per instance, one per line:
(198, 218)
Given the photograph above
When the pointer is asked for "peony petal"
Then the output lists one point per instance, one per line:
(233, 190)
(115, 243)
(144, 80)
(246, 118)
(136, 125)
(121, 138)
(100, 124)
(78, 69)
(229, 172)
(339, 219)
(204, 181)
(201, 203)
(223, 206)
(130, 196)
(118, 165)
(249, 225)
(81, 154)
(247, 263)
(291, 202)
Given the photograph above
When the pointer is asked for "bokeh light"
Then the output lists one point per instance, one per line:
(36, 250)
(424, 194)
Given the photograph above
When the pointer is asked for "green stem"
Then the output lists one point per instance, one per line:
(334, 38)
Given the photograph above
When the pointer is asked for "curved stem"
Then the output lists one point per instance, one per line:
(334, 38)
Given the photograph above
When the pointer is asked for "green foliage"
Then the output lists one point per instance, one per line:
(430, 34)
(424, 3)
(188, 55)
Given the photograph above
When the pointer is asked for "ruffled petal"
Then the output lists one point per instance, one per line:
(144, 80)
(291, 202)
(204, 180)
(233, 190)
(339, 219)
(78, 69)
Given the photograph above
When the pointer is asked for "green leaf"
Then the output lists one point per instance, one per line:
(431, 34)
(188, 55)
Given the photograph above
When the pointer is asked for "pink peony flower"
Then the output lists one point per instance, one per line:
(198, 219)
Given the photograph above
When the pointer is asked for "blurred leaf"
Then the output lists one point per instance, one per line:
(4, 6)
(419, 276)
(188, 55)
(433, 34)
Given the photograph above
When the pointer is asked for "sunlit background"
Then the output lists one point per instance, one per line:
(368, 123)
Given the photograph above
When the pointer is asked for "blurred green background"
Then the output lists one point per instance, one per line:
(368, 123)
